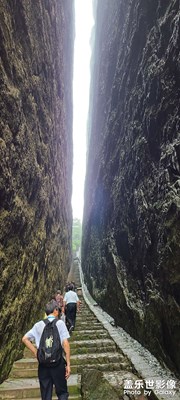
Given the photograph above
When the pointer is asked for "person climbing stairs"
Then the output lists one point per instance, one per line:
(91, 347)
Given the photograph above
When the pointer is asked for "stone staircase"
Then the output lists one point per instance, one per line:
(92, 349)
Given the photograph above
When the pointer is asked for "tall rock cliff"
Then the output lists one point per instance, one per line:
(131, 235)
(36, 60)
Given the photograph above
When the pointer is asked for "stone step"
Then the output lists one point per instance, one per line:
(85, 313)
(32, 372)
(88, 317)
(85, 316)
(92, 350)
(29, 388)
(89, 334)
(99, 358)
(85, 308)
(88, 326)
(106, 367)
(72, 397)
(82, 322)
(88, 331)
(28, 354)
(24, 372)
(26, 363)
(91, 343)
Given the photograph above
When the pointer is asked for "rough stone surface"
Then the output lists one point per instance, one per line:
(94, 387)
(130, 247)
(36, 60)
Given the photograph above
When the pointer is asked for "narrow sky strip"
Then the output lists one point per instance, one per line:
(81, 82)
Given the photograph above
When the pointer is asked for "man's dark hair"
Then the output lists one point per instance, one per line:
(71, 286)
(51, 306)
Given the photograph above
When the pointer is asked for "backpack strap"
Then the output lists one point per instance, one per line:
(46, 321)
(55, 320)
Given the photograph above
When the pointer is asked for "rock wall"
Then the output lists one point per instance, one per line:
(36, 61)
(131, 236)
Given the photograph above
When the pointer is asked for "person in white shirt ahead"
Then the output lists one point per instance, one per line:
(71, 304)
(58, 374)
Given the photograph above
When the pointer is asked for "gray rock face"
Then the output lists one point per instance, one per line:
(36, 63)
(130, 249)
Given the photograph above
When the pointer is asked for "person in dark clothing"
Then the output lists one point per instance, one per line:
(71, 303)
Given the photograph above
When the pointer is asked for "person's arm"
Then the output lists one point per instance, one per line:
(78, 305)
(78, 302)
(64, 302)
(29, 345)
(66, 348)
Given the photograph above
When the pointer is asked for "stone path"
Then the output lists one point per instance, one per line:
(99, 360)
(143, 363)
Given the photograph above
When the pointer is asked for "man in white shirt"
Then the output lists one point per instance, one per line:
(71, 304)
(58, 374)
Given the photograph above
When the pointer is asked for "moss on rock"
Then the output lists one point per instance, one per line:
(130, 245)
(35, 163)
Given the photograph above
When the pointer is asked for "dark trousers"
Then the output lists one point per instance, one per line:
(49, 376)
(71, 309)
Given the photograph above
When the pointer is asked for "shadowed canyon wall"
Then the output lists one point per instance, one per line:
(36, 62)
(131, 236)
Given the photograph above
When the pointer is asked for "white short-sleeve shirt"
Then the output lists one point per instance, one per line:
(37, 330)
(71, 297)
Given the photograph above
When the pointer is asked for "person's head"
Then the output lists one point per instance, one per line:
(58, 295)
(71, 286)
(52, 308)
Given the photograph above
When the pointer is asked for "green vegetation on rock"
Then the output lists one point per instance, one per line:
(35, 162)
(76, 235)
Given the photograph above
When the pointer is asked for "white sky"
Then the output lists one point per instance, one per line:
(82, 53)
